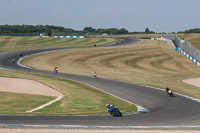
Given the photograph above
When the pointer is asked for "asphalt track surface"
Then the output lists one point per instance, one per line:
(164, 110)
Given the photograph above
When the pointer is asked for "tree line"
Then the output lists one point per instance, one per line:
(195, 30)
(57, 30)
(48, 29)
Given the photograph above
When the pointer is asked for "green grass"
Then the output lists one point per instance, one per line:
(195, 42)
(152, 63)
(184, 35)
(4, 41)
(27, 43)
(86, 100)
(12, 103)
(78, 98)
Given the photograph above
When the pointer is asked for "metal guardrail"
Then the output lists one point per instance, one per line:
(185, 46)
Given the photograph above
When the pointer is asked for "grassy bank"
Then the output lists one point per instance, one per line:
(25, 43)
(152, 63)
(78, 98)
(12, 103)
(195, 42)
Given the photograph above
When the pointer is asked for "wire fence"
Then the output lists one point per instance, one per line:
(185, 46)
(19, 34)
(86, 35)
(41, 34)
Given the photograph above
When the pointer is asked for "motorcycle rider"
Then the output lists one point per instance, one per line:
(22, 54)
(108, 107)
(56, 69)
(94, 74)
(113, 106)
(113, 110)
(167, 89)
(13, 60)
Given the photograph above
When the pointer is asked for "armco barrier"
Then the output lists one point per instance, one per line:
(64, 36)
(68, 36)
(181, 51)
(185, 46)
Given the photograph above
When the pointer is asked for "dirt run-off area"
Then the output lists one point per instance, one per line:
(26, 86)
(194, 81)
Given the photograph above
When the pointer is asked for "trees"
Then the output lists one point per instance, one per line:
(12, 29)
(196, 30)
(89, 30)
(61, 31)
(113, 31)
(147, 30)
(123, 31)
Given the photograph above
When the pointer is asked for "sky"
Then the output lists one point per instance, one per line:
(133, 15)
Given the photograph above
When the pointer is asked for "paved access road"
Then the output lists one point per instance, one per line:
(164, 110)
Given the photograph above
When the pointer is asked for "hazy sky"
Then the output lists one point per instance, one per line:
(134, 15)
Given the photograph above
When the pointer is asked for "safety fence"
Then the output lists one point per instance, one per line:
(68, 36)
(185, 48)
(64, 36)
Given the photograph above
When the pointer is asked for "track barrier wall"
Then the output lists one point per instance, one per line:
(183, 47)
(64, 36)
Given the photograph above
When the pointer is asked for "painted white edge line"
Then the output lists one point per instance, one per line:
(140, 109)
(191, 98)
(20, 59)
(101, 127)
(6, 69)
(44, 105)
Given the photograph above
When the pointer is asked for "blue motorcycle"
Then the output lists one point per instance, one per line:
(114, 111)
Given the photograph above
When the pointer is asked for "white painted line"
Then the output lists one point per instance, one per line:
(140, 109)
(101, 127)
(191, 98)
(44, 105)
(20, 59)
(5, 69)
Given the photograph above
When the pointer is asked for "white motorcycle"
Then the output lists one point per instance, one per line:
(94, 76)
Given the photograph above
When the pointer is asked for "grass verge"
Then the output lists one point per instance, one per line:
(13, 103)
(195, 42)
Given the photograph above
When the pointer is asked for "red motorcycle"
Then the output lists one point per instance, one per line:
(170, 92)
(56, 70)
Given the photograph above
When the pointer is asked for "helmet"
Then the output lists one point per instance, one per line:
(111, 105)
(107, 105)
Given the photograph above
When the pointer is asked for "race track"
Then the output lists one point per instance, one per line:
(164, 110)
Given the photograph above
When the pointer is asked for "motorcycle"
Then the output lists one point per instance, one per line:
(56, 70)
(170, 93)
(13, 61)
(114, 111)
(22, 54)
(94, 76)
